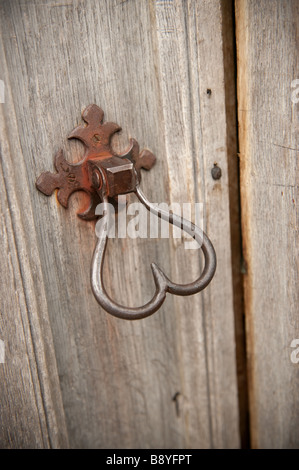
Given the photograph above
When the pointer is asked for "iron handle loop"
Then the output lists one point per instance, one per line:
(162, 282)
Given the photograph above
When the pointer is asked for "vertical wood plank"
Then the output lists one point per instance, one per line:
(168, 380)
(267, 43)
(32, 414)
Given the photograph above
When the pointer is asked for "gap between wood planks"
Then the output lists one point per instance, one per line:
(230, 74)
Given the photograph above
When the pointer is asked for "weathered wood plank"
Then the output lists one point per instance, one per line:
(267, 42)
(31, 410)
(148, 65)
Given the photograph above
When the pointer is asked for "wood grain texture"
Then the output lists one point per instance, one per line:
(31, 408)
(168, 380)
(267, 42)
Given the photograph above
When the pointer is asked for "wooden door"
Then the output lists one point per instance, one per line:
(71, 375)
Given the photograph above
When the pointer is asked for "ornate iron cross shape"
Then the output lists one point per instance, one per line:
(118, 169)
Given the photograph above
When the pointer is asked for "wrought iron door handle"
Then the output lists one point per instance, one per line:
(104, 175)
